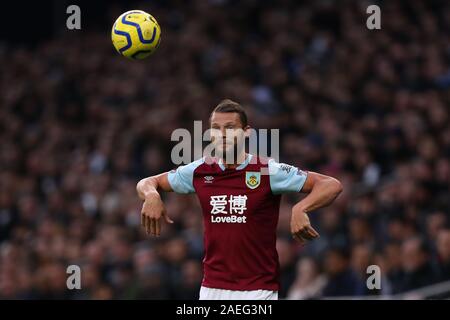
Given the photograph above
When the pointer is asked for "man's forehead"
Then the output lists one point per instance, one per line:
(225, 117)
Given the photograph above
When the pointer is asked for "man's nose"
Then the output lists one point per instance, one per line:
(224, 133)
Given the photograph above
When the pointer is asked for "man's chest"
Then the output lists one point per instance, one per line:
(240, 194)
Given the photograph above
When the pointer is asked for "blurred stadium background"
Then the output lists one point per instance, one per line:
(80, 125)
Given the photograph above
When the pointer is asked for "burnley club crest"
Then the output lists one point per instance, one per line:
(252, 179)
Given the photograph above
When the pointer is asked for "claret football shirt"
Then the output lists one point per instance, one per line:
(240, 215)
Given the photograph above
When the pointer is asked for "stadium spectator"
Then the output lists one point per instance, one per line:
(340, 279)
(443, 250)
(308, 283)
(417, 269)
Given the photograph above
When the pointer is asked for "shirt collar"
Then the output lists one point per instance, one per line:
(239, 167)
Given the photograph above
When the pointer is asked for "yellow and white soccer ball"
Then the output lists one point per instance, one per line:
(136, 34)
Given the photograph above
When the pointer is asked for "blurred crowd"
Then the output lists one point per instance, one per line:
(80, 125)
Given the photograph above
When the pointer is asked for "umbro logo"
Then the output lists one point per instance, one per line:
(209, 179)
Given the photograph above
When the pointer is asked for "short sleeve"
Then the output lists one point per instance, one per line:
(285, 178)
(181, 179)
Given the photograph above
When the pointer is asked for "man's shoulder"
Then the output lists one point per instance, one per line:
(191, 166)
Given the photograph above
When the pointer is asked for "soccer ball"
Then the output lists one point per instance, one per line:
(136, 34)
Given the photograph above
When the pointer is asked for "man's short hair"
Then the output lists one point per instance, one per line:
(230, 106)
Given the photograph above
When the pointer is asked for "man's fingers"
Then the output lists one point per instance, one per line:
(168, 220)
(150, 226)
(312, 231)
(147, 225)
(144, 221)
(308, 233)
(166, 217)
(305, 235)
(298, 238)
(153, 227)
(157, 227)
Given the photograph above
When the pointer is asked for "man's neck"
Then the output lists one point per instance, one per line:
(239, 160)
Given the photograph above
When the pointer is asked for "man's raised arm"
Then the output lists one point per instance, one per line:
(322, 190)
(152, 184)
(153, 208)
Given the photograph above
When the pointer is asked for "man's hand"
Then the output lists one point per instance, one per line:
(152, 211)
(301, 228)
(322, 190)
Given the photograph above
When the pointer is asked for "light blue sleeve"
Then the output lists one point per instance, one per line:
(285, 178)
(181, 179)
